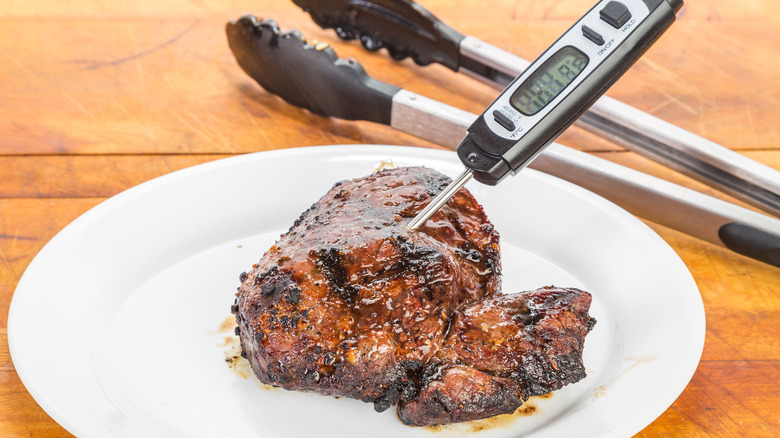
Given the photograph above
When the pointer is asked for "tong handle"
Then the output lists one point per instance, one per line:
(309, 76)
(751, 241)
(403, 27)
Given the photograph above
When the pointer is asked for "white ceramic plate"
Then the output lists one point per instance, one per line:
(120, 327)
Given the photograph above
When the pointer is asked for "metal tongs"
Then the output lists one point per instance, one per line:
(314, 78)
(406, 29)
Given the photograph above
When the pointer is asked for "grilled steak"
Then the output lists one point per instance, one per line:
(350, 303)
(500, 351)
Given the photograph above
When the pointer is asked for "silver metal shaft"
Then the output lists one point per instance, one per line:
(440, 199)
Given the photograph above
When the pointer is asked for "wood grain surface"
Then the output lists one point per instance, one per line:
(97, 96)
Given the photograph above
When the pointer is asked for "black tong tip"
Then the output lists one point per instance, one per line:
(309, 76)
(403, 27)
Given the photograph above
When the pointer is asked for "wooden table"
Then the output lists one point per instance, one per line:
(96, 97)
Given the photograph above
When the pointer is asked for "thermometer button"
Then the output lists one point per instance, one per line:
(615, 14)
(592, 35)
(503, 120)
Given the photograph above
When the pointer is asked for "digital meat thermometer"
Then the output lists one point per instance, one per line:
(555, 90)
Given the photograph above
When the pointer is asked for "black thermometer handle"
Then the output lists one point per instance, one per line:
(562, 84)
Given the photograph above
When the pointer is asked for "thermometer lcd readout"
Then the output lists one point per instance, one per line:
(548, 81)
(555, 90)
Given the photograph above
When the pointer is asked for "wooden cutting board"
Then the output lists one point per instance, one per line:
(97, 96)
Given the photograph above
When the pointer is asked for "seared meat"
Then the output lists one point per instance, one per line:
(500, 351)
(349, 302)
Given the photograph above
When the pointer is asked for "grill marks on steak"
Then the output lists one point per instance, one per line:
(348, 302)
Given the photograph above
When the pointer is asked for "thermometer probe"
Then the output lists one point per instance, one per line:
(555, 90)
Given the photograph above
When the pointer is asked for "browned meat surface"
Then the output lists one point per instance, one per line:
(500, 351)
(349, 302)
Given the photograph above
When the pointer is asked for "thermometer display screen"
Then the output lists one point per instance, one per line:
(547, 82)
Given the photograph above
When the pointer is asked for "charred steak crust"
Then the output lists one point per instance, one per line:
(350, 303)
(500, 351)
